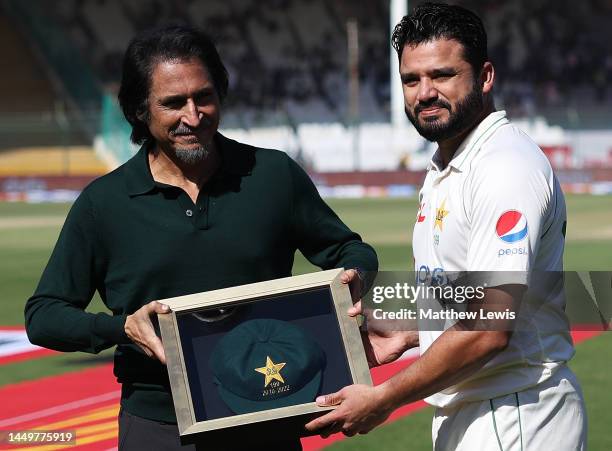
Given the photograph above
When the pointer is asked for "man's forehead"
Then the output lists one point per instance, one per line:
(169, 66)
(434, 51)
(176, 74)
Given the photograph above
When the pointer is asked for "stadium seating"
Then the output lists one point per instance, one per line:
(288, 64)
(23, 76)
(547, 52)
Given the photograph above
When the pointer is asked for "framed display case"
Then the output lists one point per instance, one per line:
(253, 358)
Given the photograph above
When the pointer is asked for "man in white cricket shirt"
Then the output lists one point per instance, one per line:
(490, 202)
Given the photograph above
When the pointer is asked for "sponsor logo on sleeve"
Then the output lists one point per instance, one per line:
(511, 226)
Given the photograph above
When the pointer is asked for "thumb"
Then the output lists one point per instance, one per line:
(347, 276)
(355, 309)
(333, 399)
(158, 307)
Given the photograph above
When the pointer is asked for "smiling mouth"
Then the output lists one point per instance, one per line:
(190, 138)
(432, 111)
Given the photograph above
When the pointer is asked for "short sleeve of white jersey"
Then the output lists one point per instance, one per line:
(507, 200)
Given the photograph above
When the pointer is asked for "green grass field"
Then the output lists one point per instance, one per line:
(28, 232)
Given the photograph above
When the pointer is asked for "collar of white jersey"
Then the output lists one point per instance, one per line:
(470, 145)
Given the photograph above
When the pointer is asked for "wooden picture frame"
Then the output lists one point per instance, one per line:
(289, 299)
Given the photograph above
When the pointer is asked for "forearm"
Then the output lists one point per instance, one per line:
(55, 315)
(335, 246)
(459, 352)
(453, 357)
(56, 324)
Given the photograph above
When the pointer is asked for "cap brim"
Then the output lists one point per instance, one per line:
(241, 405)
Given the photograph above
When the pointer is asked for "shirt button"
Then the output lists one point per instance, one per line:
(189, 213)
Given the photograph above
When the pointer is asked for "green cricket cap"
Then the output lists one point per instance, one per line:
(265, 364)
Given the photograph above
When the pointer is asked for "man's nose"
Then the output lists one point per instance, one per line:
(191, 116)
(427, 91)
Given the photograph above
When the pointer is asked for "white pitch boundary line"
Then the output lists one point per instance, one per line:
(61, 408)
(15, 342)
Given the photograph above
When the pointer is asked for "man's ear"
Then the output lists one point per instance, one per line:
(142, 114)
(487, 77)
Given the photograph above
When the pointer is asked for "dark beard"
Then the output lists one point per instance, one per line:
(186, 155)
(462, 118)
(191, 156)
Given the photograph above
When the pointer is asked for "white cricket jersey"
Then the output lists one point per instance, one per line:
(497, 206)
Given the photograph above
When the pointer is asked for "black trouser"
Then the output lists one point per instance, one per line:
(136, 433)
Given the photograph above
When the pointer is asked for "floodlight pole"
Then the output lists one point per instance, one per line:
(397, 10)
(352, 32)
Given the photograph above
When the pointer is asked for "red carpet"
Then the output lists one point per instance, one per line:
(85, 402)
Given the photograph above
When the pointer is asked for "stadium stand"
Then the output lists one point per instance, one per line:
(35, 137)
(288, 68)
(297, 48)
(549, 53)
(23, 75)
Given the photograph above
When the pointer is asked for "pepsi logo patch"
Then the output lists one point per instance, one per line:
(511, 226)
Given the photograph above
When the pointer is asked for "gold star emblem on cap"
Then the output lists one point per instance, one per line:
(440, 215)
(271, 371)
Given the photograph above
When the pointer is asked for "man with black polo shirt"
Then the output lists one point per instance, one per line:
(192, 211)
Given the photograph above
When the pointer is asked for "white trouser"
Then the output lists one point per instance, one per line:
(549, 416)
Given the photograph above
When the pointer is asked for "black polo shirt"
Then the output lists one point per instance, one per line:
(136, 240)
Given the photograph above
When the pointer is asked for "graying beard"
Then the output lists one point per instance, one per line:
(191, 156)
